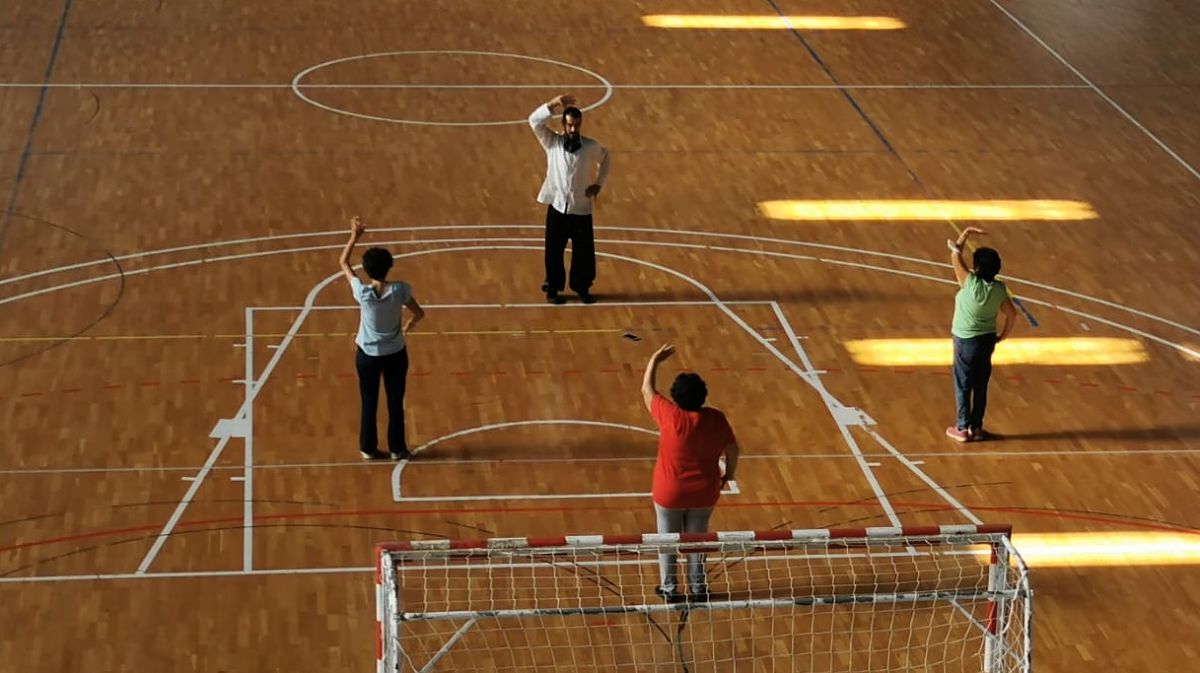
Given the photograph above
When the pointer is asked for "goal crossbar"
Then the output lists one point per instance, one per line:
(841, 584)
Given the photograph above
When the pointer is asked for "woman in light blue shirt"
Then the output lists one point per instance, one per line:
(381, 348)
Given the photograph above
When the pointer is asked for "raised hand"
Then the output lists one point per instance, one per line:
(663, 353)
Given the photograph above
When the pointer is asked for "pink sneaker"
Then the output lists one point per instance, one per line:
(958, 435)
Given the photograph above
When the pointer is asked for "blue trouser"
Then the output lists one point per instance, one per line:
(972, 371)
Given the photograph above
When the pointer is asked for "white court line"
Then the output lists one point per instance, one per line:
(371, 569)
(537, 496)
(179, 509)
(724, 308)
(981, 453)
(531, 85)
(331, 570)
(299, 320)
(831, 403)
(1087, 82)
(938, 279)
(248, 474)
(297, 86)
(540, 304)
(675, 232)
(816, 381)
(937, 488)
(169, 527)
(398, 471)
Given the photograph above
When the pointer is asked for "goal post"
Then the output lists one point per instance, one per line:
(930, 599)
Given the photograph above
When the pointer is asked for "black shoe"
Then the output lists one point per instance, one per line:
(373, 455)
(554, 298)
(668, 596)
(402, 454)
(587, 297)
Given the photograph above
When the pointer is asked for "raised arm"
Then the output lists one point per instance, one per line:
(356, 231)
(539, 120)
(648, 385)
(961, 270)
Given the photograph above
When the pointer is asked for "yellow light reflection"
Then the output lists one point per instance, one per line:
(1042, 351)
(927, 210)
(1051, 550)
(771, 22)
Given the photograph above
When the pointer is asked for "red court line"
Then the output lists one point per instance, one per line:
(899, 506)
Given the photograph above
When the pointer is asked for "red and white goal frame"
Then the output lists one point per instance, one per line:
(944, 598)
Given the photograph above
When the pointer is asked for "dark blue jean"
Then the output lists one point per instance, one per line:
(972, 371)
(393, 369)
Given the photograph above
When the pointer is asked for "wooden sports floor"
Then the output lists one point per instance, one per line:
(180, 487)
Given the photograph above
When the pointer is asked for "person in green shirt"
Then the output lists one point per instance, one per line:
(980, 300)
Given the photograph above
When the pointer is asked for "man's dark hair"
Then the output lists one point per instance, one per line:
(689, 391)
(573, 112)
(987, 264)
(377, 262)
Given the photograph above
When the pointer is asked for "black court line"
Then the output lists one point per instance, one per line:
(33, 126)
(883, 139)
(844, 91)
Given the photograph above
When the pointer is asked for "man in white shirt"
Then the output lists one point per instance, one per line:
(568, 192)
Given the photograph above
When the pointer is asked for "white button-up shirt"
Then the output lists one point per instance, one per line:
(568, 174)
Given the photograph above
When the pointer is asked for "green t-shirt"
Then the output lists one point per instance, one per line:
(976, 306)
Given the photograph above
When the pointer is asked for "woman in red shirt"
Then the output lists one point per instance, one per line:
(687, 474)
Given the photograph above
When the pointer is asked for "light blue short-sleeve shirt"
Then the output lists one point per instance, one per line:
(380, 326)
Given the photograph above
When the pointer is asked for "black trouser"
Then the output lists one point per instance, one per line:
(394, 370)
(577, 229)
(972, 371)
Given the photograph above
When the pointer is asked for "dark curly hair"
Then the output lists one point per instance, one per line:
(377, 262)
(987, 263)
(689, 391)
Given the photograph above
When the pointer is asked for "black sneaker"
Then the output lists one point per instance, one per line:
(554, 298)
(402, 454)
(373, 455)
(587, 298)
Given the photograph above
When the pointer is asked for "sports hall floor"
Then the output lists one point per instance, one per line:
(180, 488)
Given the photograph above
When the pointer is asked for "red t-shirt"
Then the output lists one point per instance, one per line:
(687, 474)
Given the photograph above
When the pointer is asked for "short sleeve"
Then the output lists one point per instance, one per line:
(404, 292)
(662, 410)
(730, 437)
(724, 429)
(976, 287)
(356, 287)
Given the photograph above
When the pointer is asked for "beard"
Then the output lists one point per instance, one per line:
(572, 142)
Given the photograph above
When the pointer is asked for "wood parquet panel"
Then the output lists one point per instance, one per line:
(172, 141)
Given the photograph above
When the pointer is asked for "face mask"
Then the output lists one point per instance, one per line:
(572, 142)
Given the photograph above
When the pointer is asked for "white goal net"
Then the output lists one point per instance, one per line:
(930, 599)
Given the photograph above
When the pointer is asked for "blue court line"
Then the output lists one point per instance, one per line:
(1024, 310)
(37, 117)
(871, 123)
